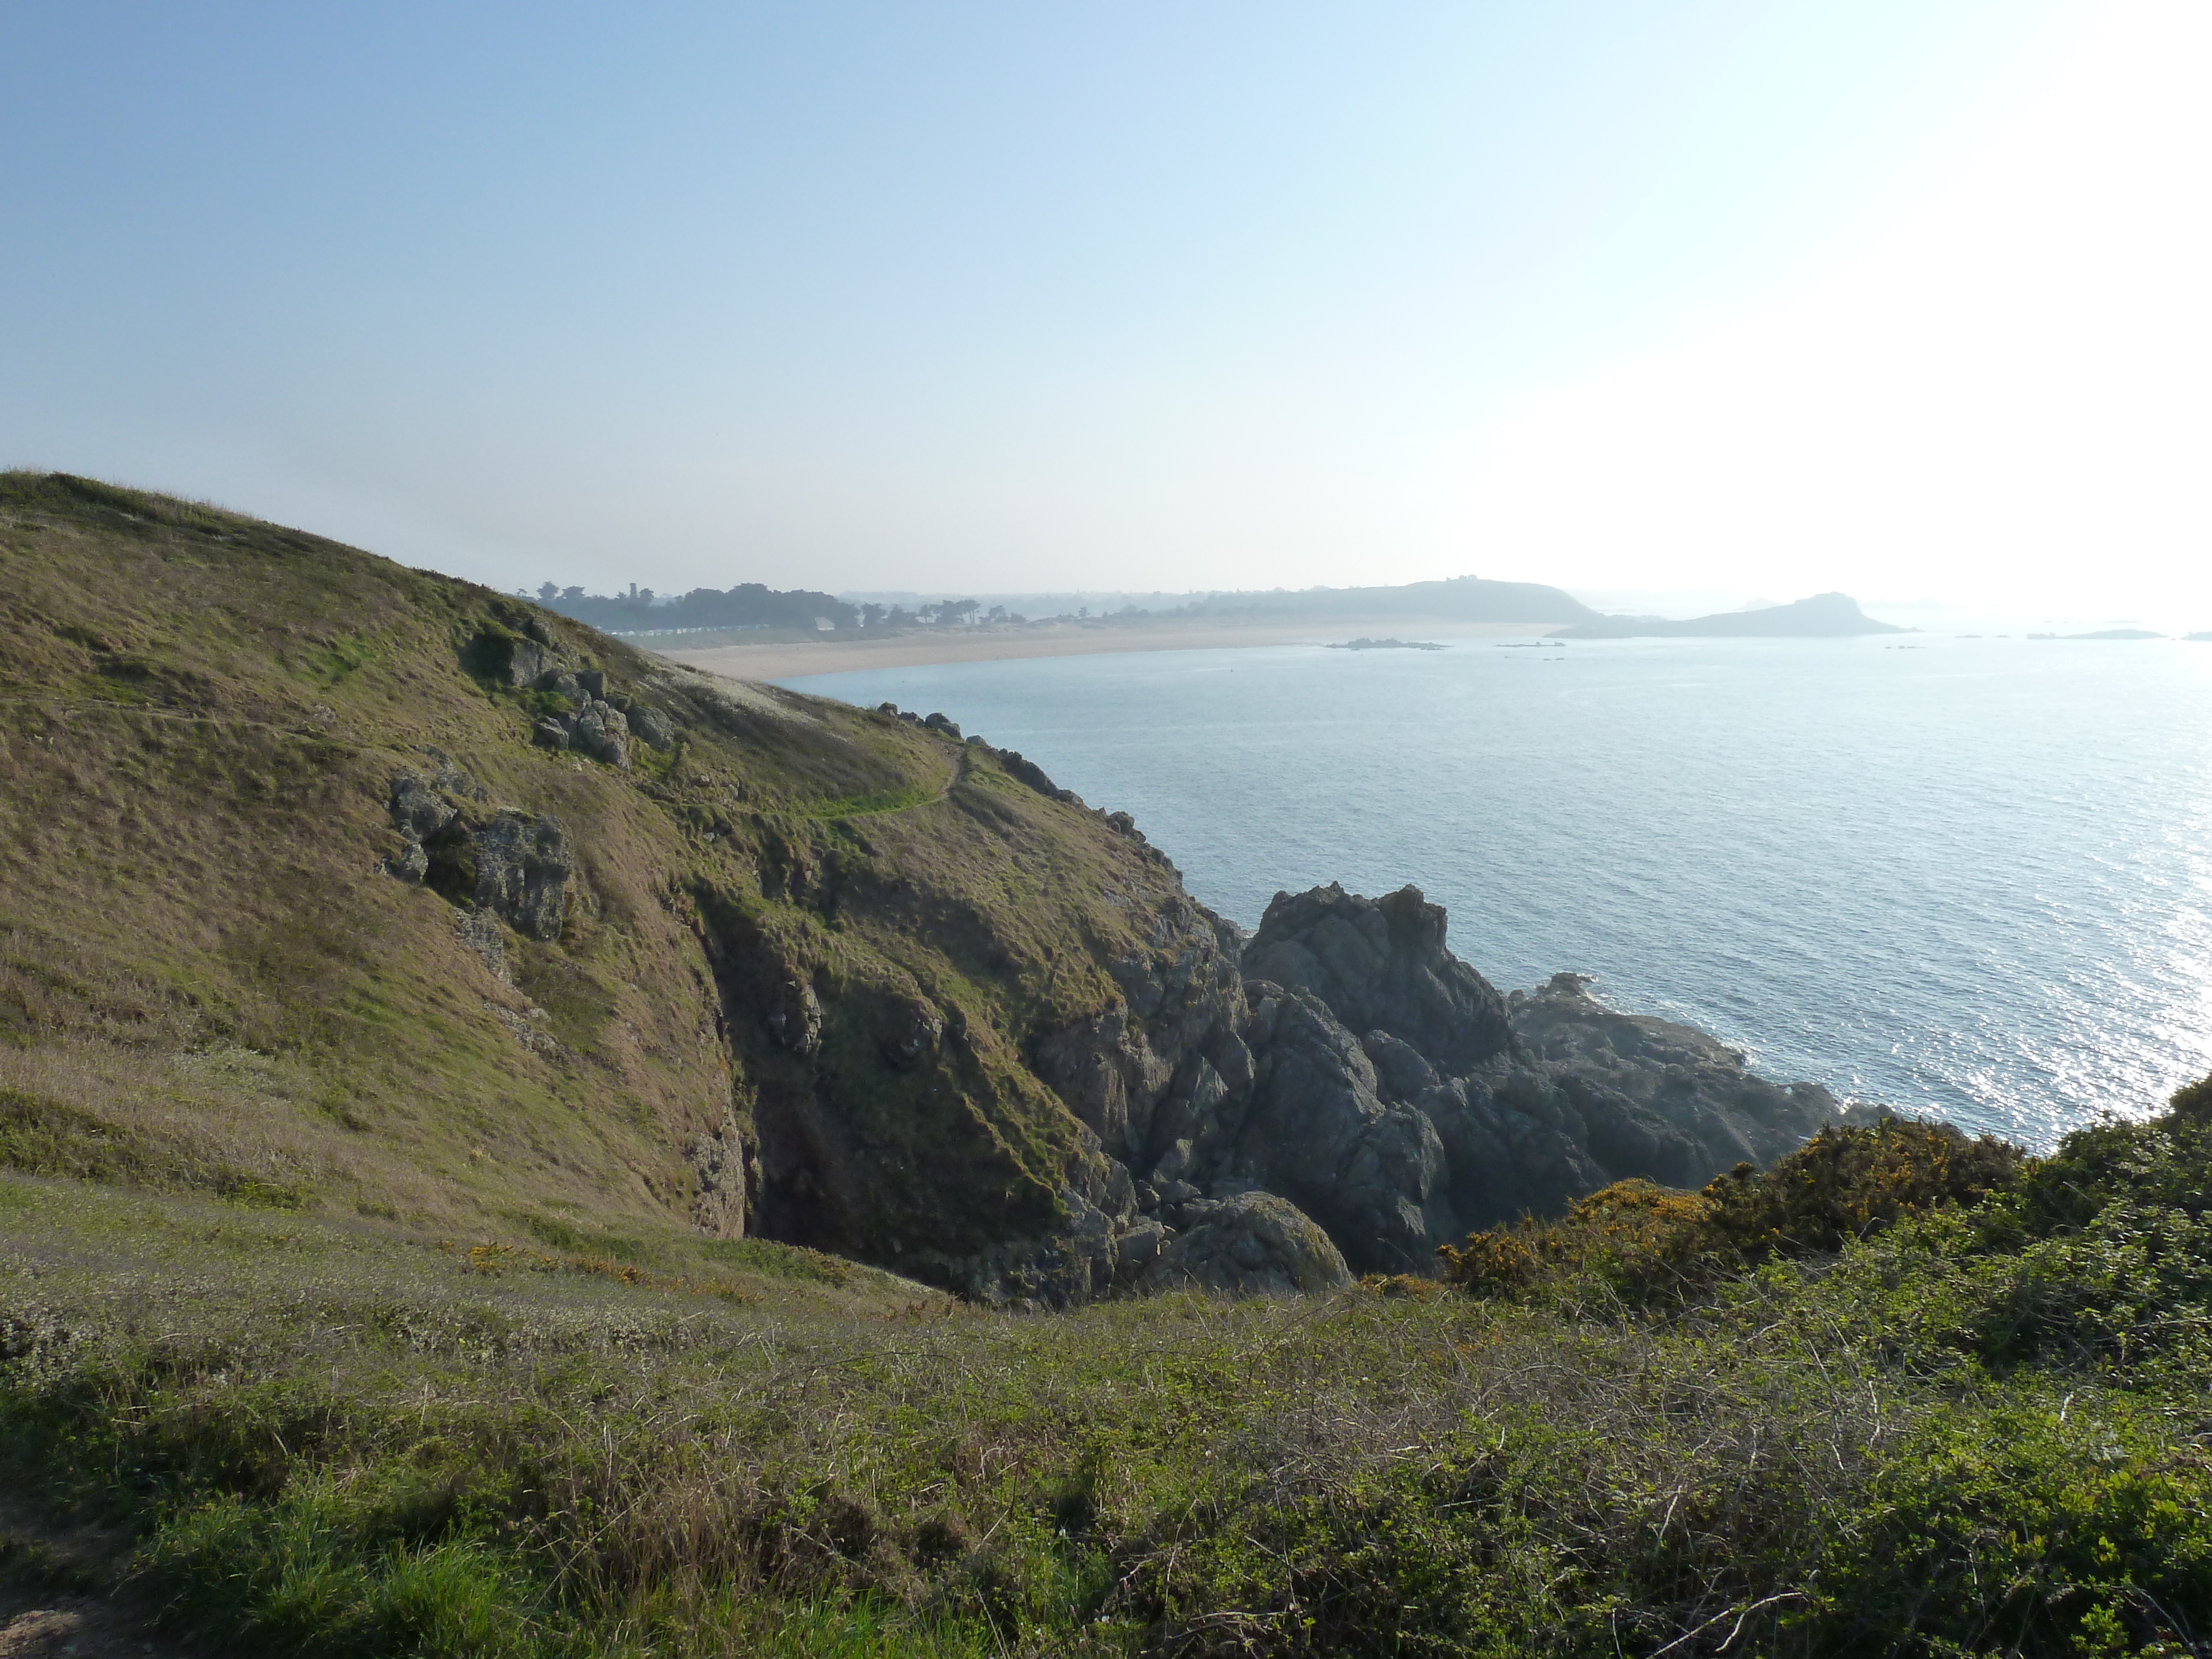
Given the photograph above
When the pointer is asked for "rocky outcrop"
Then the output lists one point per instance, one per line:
(1658, 1095)
(1253, 1244)
(524, 869)
(602, 730)
(515, 658)
(727, 1175)
(1381, 965)
(1316, 1130)
(1344, 1061)
(594, 724)
(516, 865)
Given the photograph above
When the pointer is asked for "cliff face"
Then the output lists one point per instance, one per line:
(362, 889)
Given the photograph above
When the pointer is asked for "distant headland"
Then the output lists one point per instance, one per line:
(752, 632)
(1823, 616)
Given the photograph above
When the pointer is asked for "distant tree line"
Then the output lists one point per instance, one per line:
(752, 604)
(749, 605)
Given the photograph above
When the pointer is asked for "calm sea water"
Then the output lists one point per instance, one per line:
(1969, 876)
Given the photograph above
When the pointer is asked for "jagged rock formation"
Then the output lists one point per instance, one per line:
(1381, 966)
(595, 720)
(1343, 1059)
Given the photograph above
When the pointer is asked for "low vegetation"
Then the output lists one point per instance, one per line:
(1904, 1394)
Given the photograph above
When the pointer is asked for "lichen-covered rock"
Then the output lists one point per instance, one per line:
(479, 931)
(524, 869)
(418, 810)
(1252, 1244)
(550, 734)
(601, 732)
(651, 727)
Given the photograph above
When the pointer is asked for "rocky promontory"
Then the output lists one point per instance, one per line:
(1357, 1068)
(539, 931)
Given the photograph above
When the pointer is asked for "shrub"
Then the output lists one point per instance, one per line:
(1632, 1234)
(1850, 1183)
(2193, 1101)
(1643, 1240)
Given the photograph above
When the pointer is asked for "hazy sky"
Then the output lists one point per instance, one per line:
(1900, 296)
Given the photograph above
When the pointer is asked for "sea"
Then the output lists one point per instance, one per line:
(1966, 877)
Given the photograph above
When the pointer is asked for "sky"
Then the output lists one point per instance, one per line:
(1752, 300)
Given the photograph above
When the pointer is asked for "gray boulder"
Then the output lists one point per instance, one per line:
(1253, 1244)
(651, 727)
(418, 810)
(524, 869)
(601, 732)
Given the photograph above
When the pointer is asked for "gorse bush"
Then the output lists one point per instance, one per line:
(1847, 1183)
(1850, 1183)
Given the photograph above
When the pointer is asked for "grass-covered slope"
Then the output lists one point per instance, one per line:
(210, 981)
(1979, 1426)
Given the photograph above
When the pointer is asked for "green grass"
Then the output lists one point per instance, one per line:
(880, 800)
(1982, 1428)
(49, 1138)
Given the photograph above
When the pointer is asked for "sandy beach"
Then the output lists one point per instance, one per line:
(915, 650)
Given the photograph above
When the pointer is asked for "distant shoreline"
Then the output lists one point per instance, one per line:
(804, 659)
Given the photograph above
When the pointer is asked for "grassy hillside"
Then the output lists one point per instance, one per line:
(393, 1091)
(1698, 1426)
(210, 982)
